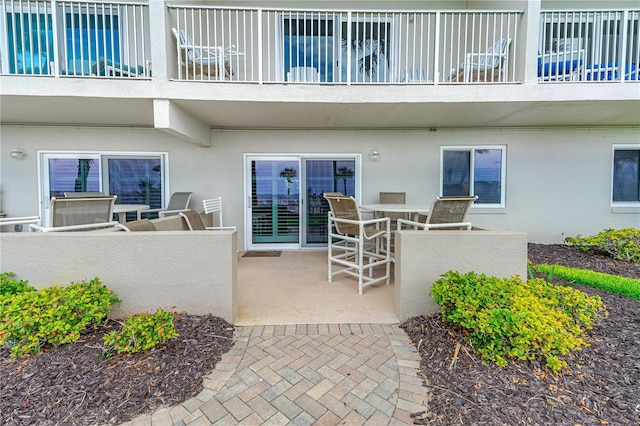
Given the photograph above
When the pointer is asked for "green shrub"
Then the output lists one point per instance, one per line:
(628, 287)
(508, 318)
(142, 332)
(52, 315)
(623, 244)
(9, 286)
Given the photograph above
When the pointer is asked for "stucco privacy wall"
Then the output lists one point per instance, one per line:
(191, 271)
(558, 181)
(423, 256)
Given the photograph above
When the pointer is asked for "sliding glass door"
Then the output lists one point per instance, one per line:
(285, 204)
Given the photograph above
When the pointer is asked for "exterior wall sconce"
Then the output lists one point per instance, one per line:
(374, 155)
(17, 153)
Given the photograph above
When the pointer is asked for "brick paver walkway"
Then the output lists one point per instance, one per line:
(325, 374)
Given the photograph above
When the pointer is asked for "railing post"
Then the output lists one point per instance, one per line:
(349, 48)
(54, 29)
(436, 52)
(260, 47)
(623, 48)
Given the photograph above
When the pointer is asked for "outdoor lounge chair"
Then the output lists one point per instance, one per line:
(78, 214)
(354, 244)
(178, 202)
(490, 66)
(445, 213)
(110, 68)
(561, 66)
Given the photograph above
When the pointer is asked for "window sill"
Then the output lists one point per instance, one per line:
(625, 209)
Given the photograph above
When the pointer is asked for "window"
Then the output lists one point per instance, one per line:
(136, 178)
(626, 175)
(474, 171)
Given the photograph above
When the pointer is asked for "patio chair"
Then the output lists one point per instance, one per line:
(203, 60)
(445, 213)
(110, 68)
(561, 66)
(178, 202)
(78, 214)
(194, 222)
(303, 75)
(490, 66)
(354, 245)
(213, 206)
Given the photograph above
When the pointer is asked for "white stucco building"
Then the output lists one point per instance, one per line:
(302, 98)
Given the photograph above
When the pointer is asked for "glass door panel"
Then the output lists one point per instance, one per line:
(368, 41)
(275, 201)
(324, 175)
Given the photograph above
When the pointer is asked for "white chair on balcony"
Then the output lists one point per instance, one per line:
(490, 66)
(195, 60)
(303, 75)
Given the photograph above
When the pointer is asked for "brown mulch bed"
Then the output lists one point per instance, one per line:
(74, 384)
(600, 386)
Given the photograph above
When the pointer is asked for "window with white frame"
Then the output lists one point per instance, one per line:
(626, 175)
(136, 178)
(478, 170)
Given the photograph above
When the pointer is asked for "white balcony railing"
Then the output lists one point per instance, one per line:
(345, 47)
(589, 46)
(75, 38)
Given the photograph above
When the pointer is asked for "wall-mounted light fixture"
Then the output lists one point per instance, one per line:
(374, 155)
(17, 153)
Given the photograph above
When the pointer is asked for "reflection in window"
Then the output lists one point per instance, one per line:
(626, 175)
(474, 171)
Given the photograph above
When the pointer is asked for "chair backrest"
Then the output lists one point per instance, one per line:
(450, 209)
(495, 54)
(303, 75)
(185, 44)
(69, 211)
(179, 201)
(193, 219)
(83, 194)
(214, 206)
(343, 207)
(393, 198)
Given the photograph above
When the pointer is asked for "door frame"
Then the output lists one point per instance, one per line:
(247, 216)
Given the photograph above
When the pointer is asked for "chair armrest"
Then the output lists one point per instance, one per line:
(73, 227)
(427, 226)
(163, 213)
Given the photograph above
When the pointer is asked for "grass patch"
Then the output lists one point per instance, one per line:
(623, 286)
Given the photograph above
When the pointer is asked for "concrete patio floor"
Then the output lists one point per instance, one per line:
(293, 289)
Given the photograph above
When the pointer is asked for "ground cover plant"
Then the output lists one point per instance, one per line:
(510, 318)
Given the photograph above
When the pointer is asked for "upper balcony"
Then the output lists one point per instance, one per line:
(424, 58)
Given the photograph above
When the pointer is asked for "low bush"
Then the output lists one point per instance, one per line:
(510, 318)
(142, 332)
(624, 286)
(9, 286)
(623, 244)
(29, 320)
